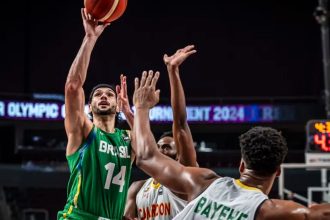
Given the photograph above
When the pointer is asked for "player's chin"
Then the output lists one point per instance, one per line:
(106, 111)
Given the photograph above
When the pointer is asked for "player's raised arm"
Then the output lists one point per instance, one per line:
(165, 170)
(181, 131)
(77, 125)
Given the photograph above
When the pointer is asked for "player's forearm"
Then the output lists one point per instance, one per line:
(78, 70)
(185, 147)
(145, 144)
(130, 210)
(181, 131)
(178, 100)
(129, 115)
(319, 212)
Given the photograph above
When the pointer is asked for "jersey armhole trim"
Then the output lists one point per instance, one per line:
(258, 208)
(88, 142)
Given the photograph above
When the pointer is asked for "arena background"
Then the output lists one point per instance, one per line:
(249, 53)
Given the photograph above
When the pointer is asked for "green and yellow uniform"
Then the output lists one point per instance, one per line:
(99, 177)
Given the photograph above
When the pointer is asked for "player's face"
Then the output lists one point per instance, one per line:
(104, 102)
(167, 146)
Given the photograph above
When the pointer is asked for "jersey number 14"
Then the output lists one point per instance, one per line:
(119, 179)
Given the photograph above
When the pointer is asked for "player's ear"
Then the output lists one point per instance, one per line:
(242, 166)
(90, 113)
(278, 171)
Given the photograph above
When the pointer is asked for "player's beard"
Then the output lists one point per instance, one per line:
(101, 112)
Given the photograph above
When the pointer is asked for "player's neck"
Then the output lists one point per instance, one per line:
(263, 183)
(106, 123)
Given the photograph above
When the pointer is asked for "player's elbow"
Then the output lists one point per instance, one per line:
(143, 155)
(72, 86)
(142, 158)
(139, 161)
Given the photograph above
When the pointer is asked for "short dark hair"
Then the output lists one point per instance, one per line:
(166, 134)
(263, 149)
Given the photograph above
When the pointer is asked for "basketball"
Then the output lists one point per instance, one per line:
(105, 10)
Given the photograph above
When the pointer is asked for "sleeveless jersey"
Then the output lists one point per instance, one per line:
(226, 199)
(99, 177)
(156, 202)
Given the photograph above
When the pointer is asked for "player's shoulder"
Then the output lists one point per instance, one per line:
(203, 173)
(202, 178)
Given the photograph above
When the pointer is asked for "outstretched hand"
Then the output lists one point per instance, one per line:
(122, 98)
(181, 55)
(91, 25)
(145, 94)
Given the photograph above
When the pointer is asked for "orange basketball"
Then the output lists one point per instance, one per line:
(105, 10)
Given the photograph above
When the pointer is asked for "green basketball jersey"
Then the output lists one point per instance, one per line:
(99, 177)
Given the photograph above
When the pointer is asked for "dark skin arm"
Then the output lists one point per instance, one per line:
(181, 132)
(130, 208)
(77, 125)
(182, 135)
(288, 210)
(319, 211)
(180, 179)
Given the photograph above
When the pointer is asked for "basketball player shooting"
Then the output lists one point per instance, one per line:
(99, 154)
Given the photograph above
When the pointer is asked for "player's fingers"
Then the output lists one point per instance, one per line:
(83, 14)
(143, 78)
(121, 78)
(155, 79)
(191, 52)
(188, 48)
(106, 25)
(157, 94)
(117, 89)
(89, 17)
(136, 83)
(124, 87)
(149, 78)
